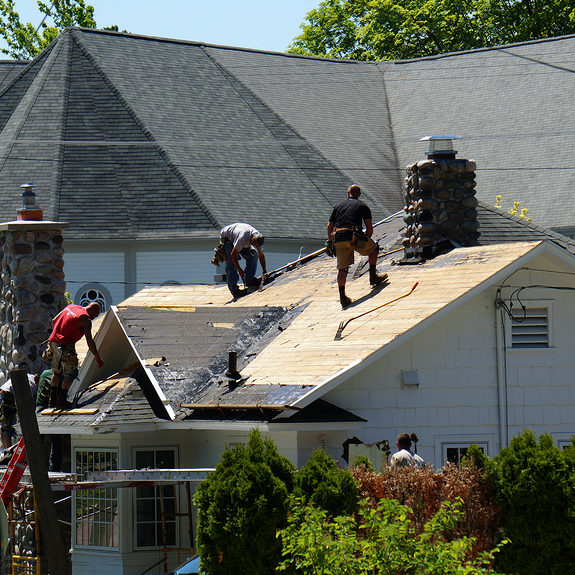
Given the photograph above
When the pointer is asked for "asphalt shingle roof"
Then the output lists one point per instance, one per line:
(131, 137)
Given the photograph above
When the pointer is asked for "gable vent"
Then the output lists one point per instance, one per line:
(530, 328)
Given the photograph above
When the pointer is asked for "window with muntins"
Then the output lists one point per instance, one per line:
(455, 453)
(151, 502)
(96, 510)
(530, 327)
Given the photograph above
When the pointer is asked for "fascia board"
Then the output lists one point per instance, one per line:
(357, 366)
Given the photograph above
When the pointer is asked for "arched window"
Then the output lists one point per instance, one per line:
(94, 293)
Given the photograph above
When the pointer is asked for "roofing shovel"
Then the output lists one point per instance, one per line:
(344, 323)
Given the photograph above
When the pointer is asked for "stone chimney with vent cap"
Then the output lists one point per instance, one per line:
(441, 207)
(32, 285)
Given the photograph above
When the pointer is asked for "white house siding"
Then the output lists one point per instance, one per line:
(193, 266)
(183, 267)
(456, 360)
(103, 268)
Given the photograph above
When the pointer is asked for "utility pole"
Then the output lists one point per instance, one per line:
(56, 550)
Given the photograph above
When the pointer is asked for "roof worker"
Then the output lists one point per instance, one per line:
(404, 455)
(345, 230)
(242, 241)
(72, 324)
(8, 411)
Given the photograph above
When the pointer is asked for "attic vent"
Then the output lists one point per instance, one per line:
(530, 328)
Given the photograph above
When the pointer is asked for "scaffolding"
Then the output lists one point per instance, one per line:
(31, 563)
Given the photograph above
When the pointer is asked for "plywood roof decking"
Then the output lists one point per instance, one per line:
(305, 354)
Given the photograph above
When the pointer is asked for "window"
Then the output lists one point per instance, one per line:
(455, 454)
(455, 451)
(149, 501)
(530, 327)
(96, 510)
(90, 293)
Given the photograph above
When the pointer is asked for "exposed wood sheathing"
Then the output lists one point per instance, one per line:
(294, 361)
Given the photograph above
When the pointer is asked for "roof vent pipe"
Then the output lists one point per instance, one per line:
(29, 211)
(232, 372)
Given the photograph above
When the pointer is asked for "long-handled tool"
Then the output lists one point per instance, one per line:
(344, 323)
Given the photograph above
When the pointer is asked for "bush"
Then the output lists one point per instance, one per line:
(322, 482)
(535, 483)
(241, 505)
(423, 490)
(380, 540)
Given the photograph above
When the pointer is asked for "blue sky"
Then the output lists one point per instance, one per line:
(260, 24)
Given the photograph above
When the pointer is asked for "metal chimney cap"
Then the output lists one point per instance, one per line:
(440, 145)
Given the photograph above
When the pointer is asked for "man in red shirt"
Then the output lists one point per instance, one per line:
(72, 324)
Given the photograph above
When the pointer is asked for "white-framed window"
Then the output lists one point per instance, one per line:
(454, 449)
(531, 326)
(96, 510)
(564, 440)
(152, 502)
(93, 292)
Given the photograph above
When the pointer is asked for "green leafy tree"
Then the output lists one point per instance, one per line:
(241, 505)
(536, 492)
(322, 482)
(390, 29)
(25, 40)
(378, 540)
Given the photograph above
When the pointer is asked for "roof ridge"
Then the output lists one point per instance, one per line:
(210, 45)
(483, 49)
(146, 131)
(282, 121)
(26, 102)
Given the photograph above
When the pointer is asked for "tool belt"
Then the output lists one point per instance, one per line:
(359, 239)
(343, 235)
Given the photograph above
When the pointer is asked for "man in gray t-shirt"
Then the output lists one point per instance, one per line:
(242, 240)
(405, 456)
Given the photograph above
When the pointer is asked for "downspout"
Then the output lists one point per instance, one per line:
(501, 372)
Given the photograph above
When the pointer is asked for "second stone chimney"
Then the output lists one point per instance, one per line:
(32, 286)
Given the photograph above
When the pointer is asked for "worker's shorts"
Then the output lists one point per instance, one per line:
(64, 359)
(344, 251)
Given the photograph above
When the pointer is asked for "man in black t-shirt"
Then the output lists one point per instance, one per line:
(346, 217)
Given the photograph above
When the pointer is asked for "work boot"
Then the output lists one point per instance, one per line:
(54, 395)
(375, 279)
(238, 293)
(345, 301)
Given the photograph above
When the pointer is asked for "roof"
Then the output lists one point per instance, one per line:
(103, 407)
(284, 336)
(287, 360)
(512, 106)
(133, 137)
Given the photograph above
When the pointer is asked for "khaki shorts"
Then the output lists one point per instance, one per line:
(344, 251)
(64, 359)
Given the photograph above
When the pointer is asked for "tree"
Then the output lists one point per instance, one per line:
(393, 29)
(536, 492)
(241, 506)
(323, 483)
(25, 41)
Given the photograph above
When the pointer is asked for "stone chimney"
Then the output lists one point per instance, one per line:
(32, 285)
(440, 210)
